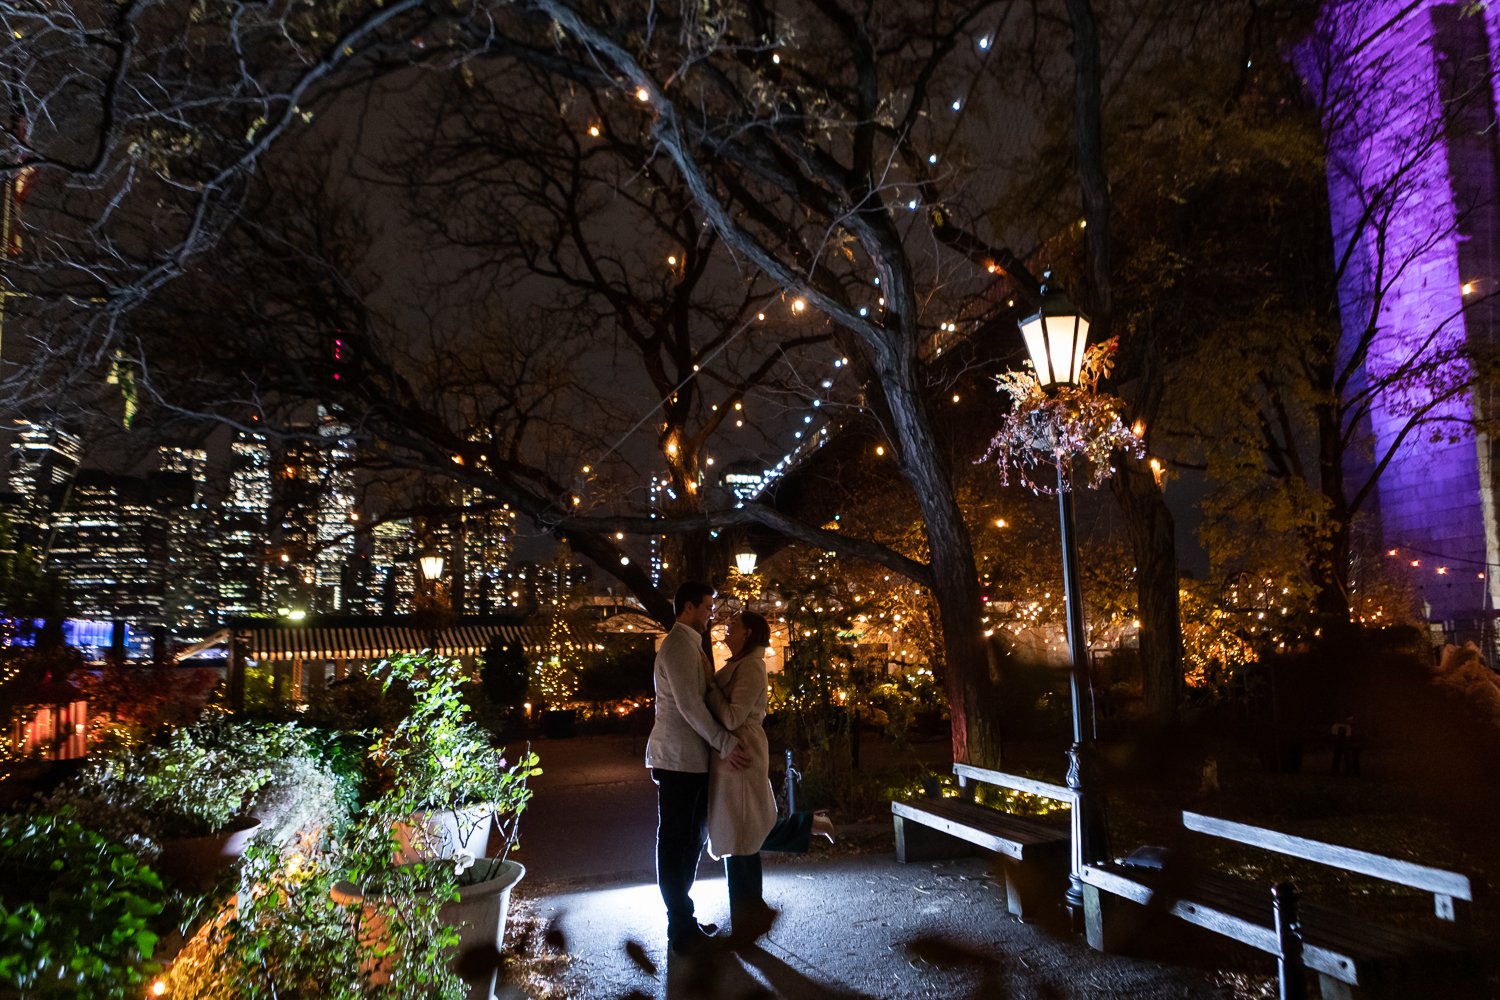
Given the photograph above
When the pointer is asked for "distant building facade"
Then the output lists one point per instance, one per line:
(1412, 179)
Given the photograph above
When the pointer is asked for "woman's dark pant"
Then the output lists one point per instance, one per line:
(681, 832)
(791, 835)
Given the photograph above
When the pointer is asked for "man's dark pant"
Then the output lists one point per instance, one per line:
(681, 833)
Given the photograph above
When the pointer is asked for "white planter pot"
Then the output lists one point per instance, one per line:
(478, 913)
(443, 833)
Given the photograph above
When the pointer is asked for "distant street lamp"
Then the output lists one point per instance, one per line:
(1056, 336)
(432, 566)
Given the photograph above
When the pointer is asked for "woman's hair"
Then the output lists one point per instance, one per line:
(757, 631)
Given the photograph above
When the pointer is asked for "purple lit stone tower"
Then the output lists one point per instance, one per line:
(1409, 116)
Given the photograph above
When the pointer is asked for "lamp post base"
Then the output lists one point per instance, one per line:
(1090, 837)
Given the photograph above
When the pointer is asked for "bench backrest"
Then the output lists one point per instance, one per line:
(1450, 889)
(968, 772)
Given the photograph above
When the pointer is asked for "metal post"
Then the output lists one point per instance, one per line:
(1291, 980)
(1089, 841)
(792, 776)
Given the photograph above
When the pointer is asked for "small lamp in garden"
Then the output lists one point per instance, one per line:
(1056, 336)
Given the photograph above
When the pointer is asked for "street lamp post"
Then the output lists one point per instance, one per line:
(1056, 336)
(431, 564)
(745, 561)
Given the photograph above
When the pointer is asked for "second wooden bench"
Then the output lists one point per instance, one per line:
(1352, 954)
(1034, 851)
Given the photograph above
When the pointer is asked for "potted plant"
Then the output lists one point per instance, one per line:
(445, 785)
(191, 797)
(443, 766)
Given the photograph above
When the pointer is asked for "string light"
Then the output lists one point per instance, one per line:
(642, 95)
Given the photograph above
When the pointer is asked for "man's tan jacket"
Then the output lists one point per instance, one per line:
(684, 728)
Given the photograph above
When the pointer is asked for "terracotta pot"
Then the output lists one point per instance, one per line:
(442, 833)
(195, 862)
(478, 913)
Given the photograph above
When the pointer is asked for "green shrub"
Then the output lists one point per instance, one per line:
(75, 911)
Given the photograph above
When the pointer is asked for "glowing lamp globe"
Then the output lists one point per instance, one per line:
(1056, 335)
(745, 562)
(432, 566)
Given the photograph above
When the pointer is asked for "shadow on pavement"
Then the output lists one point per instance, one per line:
(723, 973)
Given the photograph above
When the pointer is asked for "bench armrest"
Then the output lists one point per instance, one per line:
(1016, 782)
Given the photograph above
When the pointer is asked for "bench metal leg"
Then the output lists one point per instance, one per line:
(915, 842)
(1110, 922)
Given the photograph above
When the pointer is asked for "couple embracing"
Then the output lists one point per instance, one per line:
(710, 762)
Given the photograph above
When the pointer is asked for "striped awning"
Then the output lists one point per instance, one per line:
(376, 642)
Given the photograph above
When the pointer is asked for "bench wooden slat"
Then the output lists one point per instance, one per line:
(1345, 931)
(1338, 944)
(1012, 836)
(1434, 880)
(1031, 786)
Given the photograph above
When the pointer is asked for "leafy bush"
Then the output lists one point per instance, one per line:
(435, 758)
(206, 775)
(75, 911)
(290, 938)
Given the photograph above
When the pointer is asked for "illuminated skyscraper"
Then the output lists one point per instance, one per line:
(43, 459)
(190, 602)
(313, 526)
(393, 568)
(110, 542)
(486, 553)
(337, 513)
(238, 575)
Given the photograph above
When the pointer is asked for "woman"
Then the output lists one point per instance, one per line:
(741, 807)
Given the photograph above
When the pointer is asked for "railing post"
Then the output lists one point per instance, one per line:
(1292, 980)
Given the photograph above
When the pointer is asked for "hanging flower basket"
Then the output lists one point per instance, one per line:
(1058, 432)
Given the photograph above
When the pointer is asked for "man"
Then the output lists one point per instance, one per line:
(684, 734)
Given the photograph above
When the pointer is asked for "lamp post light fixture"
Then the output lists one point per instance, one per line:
(744, 561)
(432, 566)
(1056, 336)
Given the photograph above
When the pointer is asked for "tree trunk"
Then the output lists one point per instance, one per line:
(1154, 545)
(1331, 565)
(973, 709)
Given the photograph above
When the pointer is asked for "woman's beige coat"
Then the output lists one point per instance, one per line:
(741, 805)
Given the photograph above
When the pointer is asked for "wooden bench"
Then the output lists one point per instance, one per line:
(1033, 852)
(1354, 956)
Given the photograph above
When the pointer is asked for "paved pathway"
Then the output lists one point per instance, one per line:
(848, 924)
